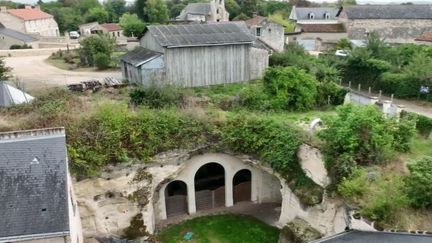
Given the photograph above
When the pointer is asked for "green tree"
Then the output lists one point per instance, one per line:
(132, 25)
(97, 14)
(156, 11)
(418, 183)
(85, 5)
(4, 70)
(102, 61)
(376, 45)
(95, 44)
(115, 9)
(343, 44)
(139, 7)
(290, 88)
(233, 8)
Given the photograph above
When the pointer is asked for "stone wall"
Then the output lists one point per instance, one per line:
(392, 30)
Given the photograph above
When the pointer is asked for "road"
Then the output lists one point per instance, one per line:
(36, 74)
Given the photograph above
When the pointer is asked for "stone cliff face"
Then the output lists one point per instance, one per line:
(121, 201)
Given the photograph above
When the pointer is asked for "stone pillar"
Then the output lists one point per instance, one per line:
(162, 203)
(254, 186)
(191, 197)
(229, 202)
(386, 107)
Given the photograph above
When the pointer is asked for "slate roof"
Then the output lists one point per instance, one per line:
(195, 8)
(139, 56)
(33, 183)
(201, 34)
(29, 14)
(303, 13)
(355, 236)
(389, 12)
(12, 96)
(16, 35)
(322, 28)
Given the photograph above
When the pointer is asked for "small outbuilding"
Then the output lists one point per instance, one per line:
(10, 37)
(195, 55)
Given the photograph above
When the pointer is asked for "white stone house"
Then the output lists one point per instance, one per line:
(267, 31)
(213, 11)
(37, 198)
(30, 21)
(316, 28)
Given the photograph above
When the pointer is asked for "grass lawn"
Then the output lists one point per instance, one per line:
(420, 147)
(221, 229)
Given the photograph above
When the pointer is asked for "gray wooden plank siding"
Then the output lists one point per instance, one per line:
(149, 42)
(259, 60)
(207, 65)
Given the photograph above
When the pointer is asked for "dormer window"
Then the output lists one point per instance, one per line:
(311, 16)
(258, 31)
(326, 16)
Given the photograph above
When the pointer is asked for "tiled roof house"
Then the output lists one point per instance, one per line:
(30, 21)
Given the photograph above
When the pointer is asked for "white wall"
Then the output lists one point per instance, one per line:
(44, 27)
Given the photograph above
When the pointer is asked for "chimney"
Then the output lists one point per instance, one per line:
(3, 9)
(28, 7)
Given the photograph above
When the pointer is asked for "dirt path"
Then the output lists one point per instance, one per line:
(36, 74)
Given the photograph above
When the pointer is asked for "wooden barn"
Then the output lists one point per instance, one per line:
(195, 55)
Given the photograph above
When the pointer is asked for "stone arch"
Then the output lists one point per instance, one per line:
(242, 186)
(176, 198)
(209, 182)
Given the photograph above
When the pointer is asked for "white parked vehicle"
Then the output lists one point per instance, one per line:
(74, 35)
(342, 53)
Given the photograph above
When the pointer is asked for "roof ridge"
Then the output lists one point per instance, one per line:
(11, 135)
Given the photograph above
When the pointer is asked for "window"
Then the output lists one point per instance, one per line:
(118, 33)
(326, 16)
(311, 15)
(258, 31)
(269, 30)
(220, 1)
(217, 11)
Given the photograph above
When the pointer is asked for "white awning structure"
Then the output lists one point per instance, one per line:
(10, 96)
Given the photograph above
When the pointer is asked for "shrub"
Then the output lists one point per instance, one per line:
(290, 88)
(102, 61)
(385, 200)
(94, 44)
(418, 183)
(155, 96)
(24, 46)
(354, 186)
(276, 144)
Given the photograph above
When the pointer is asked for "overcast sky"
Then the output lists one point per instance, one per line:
(319, 1)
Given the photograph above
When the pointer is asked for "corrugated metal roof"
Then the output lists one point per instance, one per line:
(16, 35)
(139, 56)
(201, 34)
(33, 183)
(194, 8)
(389, 12)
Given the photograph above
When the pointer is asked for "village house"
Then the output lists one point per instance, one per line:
(29, 21)
(394, 23)
(316, 29)
(195, 55)
(268, 32)
(37, 199)
(213, 11)
(9, 38)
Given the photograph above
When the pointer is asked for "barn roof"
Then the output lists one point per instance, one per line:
(16, 34)
(33, 184)
(389, 12)
(209, 34)
(139, 56)
(195, 8)
(255, 20)
(111, 27)
(356, 236)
